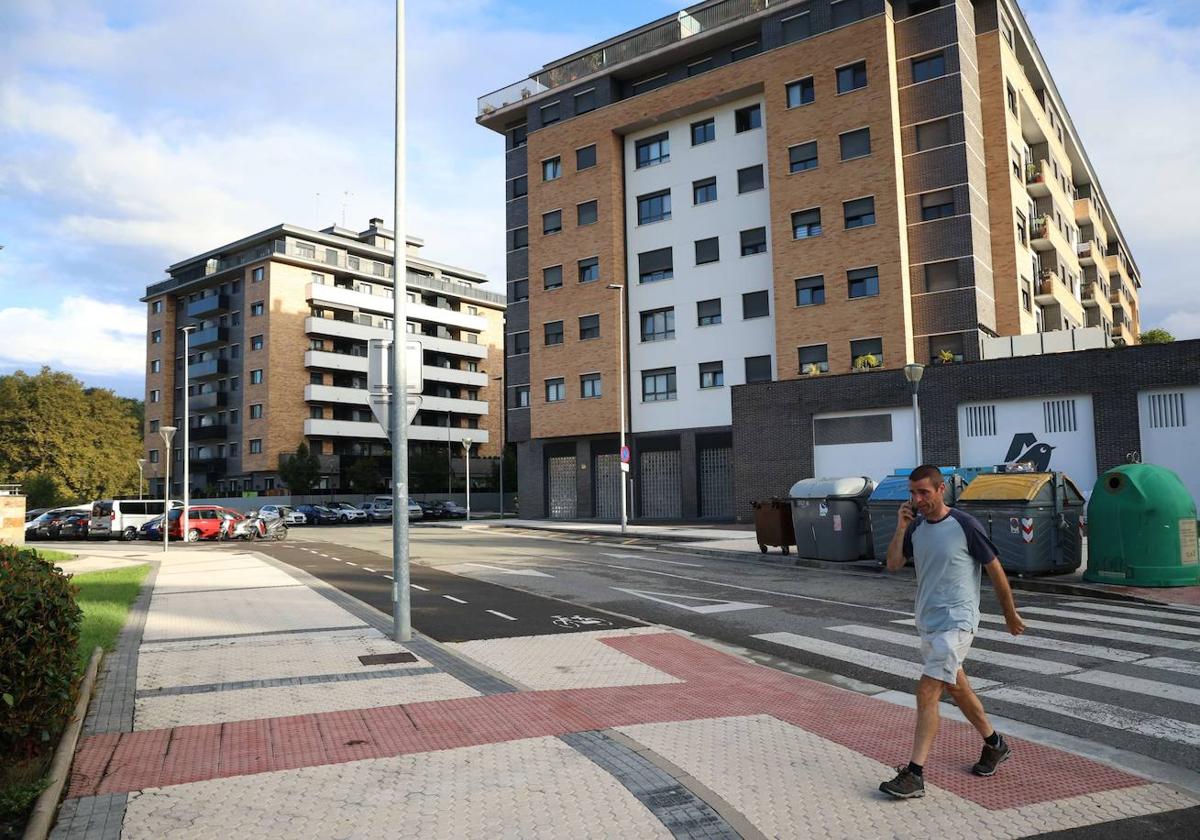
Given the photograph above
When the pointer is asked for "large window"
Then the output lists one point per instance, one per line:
(758, 369)
(256, 377)
(589, 270)
(589, 327)
(712, 374)
(658, 384)
(932, 135)
(586, 213)
(652, 151)
(708, 312)
(860, 212)
(585, 101)
(704, 191)
(866, 347)
(810, 291)
(928, 67)
(754, 241)
(852, 77)
(520, 186)
(802, 156)
(550, 113)
(554, 333)
(521, 396)
(585, 158)
(589, 386)
(520, 343)
(750, 179)
(552, 277)
(704, 131)
(552, 222)
(747, 119)
(556, 390)
(814, 358)
(856, 144)
(518, 290)
(842, 12)
(800, 92)
(654, 207)
(863, 282)
(937, 205)
(708, 250)
(941, 276)
(552, 169)
(655, 265)
(520, 238)
(806, 223)
(797, 27)
(658, 324)
(756, 305)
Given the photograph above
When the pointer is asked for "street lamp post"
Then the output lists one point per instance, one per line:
(620, 289)
(167, 432)
(913, 373)
(466, 442)
(184, 521)
(503, 442)
(141, 475)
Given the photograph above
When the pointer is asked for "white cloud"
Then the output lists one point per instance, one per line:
(83, 335)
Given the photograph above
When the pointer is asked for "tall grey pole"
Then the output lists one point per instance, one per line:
(620, 289)
(917, 426)
(467, 454)
(141, 476)
(167, 432)
(398, 408)
(503, 442)
(184, 521)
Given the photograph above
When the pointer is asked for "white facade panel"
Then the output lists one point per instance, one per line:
(1169, 421)
(734, 339)
(893, 445)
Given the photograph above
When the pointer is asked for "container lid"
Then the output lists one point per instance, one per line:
(822, 488)
(1019, 487)
(894, 488)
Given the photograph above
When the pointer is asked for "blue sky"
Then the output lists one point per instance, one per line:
(134, 133)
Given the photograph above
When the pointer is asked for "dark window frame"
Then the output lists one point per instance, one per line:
(867, 282)
(806, 90)
(853, 136)
(854, 74)
(802, 165)
(750, 301)
(748, 118)
(859, 218)
(708, 250)
(808, 226)
(815, 290)
(758, 241)
(708, 133)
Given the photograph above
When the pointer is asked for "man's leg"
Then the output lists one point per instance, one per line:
(929, 694)
(969, 703)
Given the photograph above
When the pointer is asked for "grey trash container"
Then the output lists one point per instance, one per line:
(1032, 518)
(884, 504)
(829, 516)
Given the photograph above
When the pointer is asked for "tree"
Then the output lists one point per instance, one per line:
(300, 472)
(1156, 336)
(427, 469)
(363, 476)
(40, 491)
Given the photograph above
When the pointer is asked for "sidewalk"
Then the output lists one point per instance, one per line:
(248, 699)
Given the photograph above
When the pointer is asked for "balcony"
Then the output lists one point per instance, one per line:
(354, 300)
(334, 394)
(1038, 177)
(206, 464)
(1085, 211)
(213, 431)
(1122, 334)
(1095, 296)
(208, 401)
(373, 431)
(1052, 291)
(1039, 234)
(201, 339)
(209, 369)
(206, 307)
(1089, 252)
(475, 379)
(335, 361)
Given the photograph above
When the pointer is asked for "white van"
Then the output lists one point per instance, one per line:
(123, 517)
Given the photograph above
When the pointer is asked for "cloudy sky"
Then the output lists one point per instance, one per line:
(134, 133)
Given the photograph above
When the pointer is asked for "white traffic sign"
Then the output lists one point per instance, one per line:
(380, 366)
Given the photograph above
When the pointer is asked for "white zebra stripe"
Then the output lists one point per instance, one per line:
(1166, 663)
(1164, 612)
(977, 654)
(1115, 620)
(1151, 688)
(1090, 632)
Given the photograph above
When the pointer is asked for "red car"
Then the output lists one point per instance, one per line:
(205, 522)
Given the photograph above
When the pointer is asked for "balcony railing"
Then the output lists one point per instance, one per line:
(207, 338)
(215, 431)
(207, 402)
(206, 306)
(208, 369)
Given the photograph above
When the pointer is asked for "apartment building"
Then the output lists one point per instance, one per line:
(279, 356)
(771, 189)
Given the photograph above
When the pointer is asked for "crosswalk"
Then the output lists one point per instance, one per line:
(1091, 666)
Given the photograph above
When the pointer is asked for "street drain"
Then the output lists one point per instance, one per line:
(386, 658)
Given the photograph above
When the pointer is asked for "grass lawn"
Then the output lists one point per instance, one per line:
(53, 556)
(105, 598)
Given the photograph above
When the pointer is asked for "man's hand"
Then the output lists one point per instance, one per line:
(906, 516)
(895, 553)
(1015, 625)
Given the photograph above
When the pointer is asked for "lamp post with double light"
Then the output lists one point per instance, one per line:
(141, 476)
(466, 442)
(620, 290)
(168, 433)
(184, 522)
(913, 373)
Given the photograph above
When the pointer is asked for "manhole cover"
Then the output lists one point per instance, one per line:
(386, 658)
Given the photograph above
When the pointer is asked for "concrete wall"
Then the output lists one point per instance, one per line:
(12, 520)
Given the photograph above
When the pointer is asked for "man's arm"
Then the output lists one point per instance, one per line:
(1004, 593)
(899, 549)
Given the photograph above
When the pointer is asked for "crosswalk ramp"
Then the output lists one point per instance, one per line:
(1099, 665)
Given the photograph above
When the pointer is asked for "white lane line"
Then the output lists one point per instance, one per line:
(1115, 620)
(651, 559)
(389, 577)
(1165, 612)
(322, 555)
(855, 656)
(339, 559)
(455, 600)
(415, 586)
(365, 569)
(1091, 633)
(349, 563)
(977, 654)
(1101, 714)
(1044, 643)
(1166, 663)
(1151, 688)
(502, 615)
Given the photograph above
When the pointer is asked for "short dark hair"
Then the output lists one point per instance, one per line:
(927, 471)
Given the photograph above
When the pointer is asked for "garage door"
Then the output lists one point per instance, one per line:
(561, 471)
(716, 483)
(870, 443)
(607, 470)
(661, 485)
(1169, 422)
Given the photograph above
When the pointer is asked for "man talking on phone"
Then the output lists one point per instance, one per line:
(950, 548)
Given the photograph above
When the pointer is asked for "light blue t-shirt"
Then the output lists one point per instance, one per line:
(949, 555)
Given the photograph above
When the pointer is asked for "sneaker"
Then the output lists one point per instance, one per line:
(906, 785)
(992, 758)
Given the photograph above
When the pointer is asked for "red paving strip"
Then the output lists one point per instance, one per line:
(1189, 595)
(716, 685)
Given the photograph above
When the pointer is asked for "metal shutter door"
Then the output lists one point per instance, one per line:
(716, 483)
(607, 470)
(562, 487)
(661, 486)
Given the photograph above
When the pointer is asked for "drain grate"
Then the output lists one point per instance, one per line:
(387, 658)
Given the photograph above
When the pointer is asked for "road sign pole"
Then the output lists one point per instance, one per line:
(397, 407)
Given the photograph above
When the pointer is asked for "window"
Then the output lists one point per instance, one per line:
(316, 412)
(797, 27)
(744, 51)
(551, 222)
(648, 84)
(589, 386)
(815, 357)
(236, 287)
(156, 307)
(758, 369)
(652, 151)
(352, 263)
(802, 157)
(256, 275)
(306, 250)
(928, 67)
(234, 381)
(856, 144)
(655, 207)
(552, 277)
(707, 251)
(658, 324)
(235, 351)
(156, 366)
(941, 276)
(589, 270)
(845, 11)
(586, 213)
(585, 101)
(655, 265)
(658, 384)
(154, 425)
(852, 77)
(234, 414)
(155, 396)
(550, 113)
(520, 186)
(1026, 295)
(860, 212)
(153, 456)
(520, 343)
(520, 136)
(552, 169)
(750, 179)
(918, 7)
(556, 390)
(233, 450)
(589, 327)
(704, 131)
(806, 223)
(521, 396)
(585, 158)
(866, 347)
(712, 374)
(315, 378)
(931, 135)
(1012, 98)
(937, 205)
(801, 92)
(755, 305)
(156, 337)
(698, 67)
(1022, 234)
(747, 119)
(255, 446)
(754, 241)
(810, 291)
(256, 309)
(554, 333)
(518, 290)
(256, 377)
(704, 191)
(520, 238)
(317, 277)
(256, 342)
(235, 319)
(708, 312)
(863, 282)
(945, 344)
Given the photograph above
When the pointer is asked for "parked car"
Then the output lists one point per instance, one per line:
(124, 517)
(151, 529)
(204, 523)
(376, 512)
(414, 511)
(45, 526)
(347, 512)
(318, 514)
(74, 526)
(289, 515)
(35, 513)
(453, 510)
(431, 510)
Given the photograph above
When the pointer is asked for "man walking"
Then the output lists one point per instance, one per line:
(950, 548)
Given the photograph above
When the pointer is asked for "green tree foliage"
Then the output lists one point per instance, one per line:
(1156, 336)
(363, 476)
(70, 443)
(41, 491)
(427, 469)
(300, 472)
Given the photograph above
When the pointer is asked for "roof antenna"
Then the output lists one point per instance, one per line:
(345, 200)
(318, 218)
